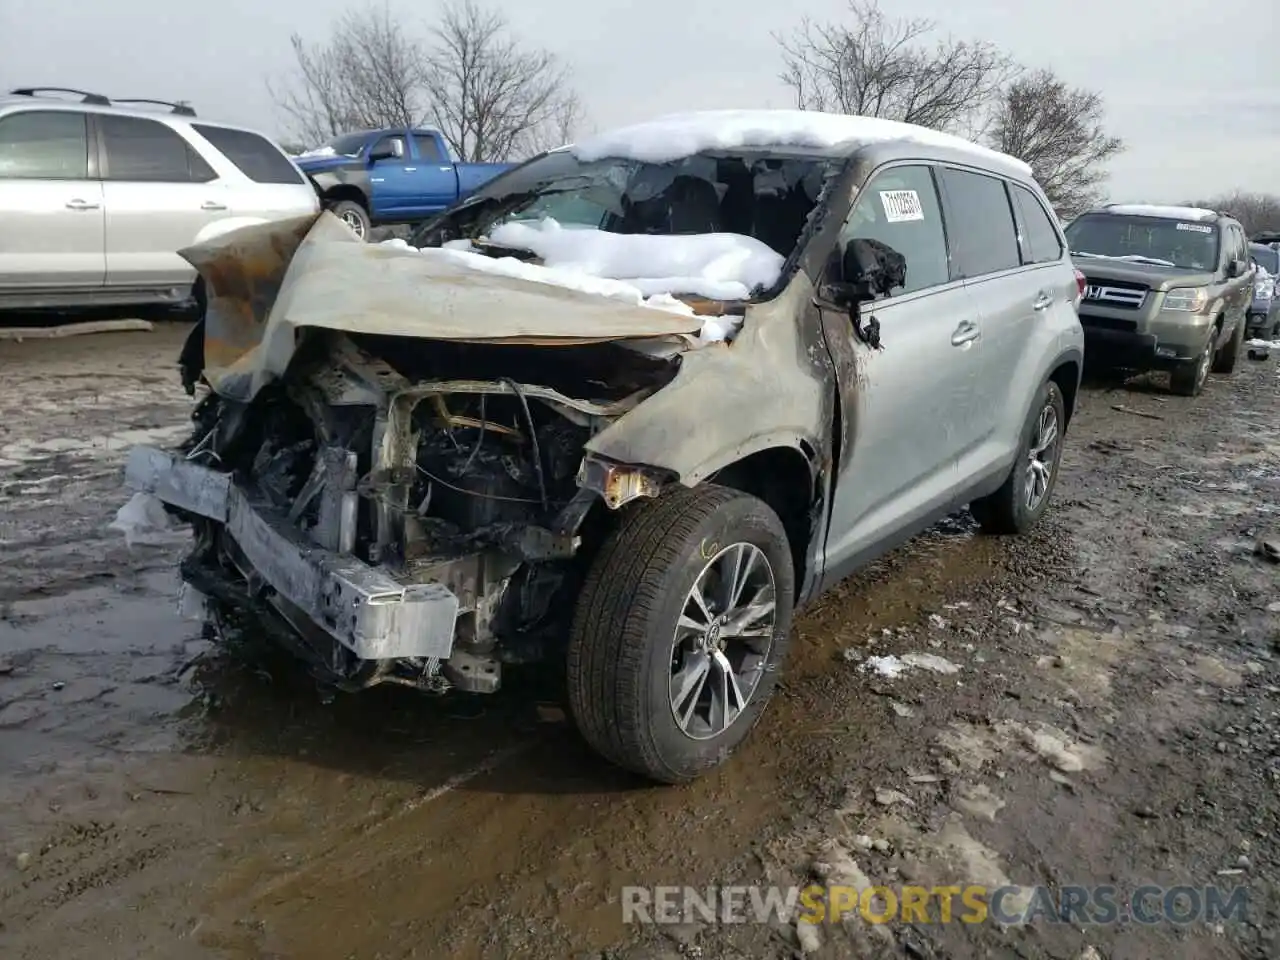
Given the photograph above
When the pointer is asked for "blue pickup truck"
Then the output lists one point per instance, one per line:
(391, 176)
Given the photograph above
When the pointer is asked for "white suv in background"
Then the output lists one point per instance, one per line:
(96, 199)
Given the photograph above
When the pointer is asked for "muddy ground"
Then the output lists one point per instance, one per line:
(1113, 720)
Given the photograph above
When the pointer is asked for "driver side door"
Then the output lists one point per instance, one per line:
(909, 412)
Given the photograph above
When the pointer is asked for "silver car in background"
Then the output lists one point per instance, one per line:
(97, 198)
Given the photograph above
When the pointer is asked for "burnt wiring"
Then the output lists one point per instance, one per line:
(484, 425)
(533, 439)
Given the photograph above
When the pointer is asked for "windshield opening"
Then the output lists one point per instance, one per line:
(766, 197)
(1151, 240)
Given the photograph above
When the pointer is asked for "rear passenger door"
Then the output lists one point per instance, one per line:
(435, 179)
(51, 223)
(271, 187)
(1010, 298)
(158, 193)
(909, 417)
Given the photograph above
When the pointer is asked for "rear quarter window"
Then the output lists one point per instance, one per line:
(1040, 242)
(980, 224)
(255, 156)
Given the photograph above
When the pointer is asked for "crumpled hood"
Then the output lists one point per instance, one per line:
(264, 283)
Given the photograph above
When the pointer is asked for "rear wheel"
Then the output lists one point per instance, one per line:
(679, 631)
(1188, 378)
(1024, 497)
(354, 216)
(1225, 359)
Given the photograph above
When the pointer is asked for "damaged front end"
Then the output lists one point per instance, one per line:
(403, 503)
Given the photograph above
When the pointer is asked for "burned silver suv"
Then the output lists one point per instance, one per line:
(627, 407)
(1166, 288)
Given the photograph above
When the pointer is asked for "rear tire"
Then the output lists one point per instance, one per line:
(354, 216)
(1225, 361)
(1188, 378)
(643, 683)
(1015, 508)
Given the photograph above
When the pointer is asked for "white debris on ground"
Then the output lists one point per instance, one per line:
(679, 135)
(720, 266)
(714, 328)
(1264, 344)
(892, 666)
(142, 520)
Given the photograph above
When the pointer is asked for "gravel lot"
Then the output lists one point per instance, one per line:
(1112, 720)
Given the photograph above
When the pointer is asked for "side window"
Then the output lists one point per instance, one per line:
(44, 145)
(254, 156)
(383, 143)
(983, 237)
(428, 148)
(1040, 242)
(899, 207)
(144, 151)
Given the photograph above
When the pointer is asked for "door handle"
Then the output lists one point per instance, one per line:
(212, 205)
(82, 205)
(1043, 302)
(965, 333)
(445, 169)
(410, 169)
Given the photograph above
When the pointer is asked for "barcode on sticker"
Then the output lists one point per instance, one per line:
(900, 205)
(1197, 227)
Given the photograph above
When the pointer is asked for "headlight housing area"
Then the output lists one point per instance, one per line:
(1264, 288)
(1186, 299)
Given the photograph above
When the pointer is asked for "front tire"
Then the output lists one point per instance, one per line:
(1188, 379)
(679, 631)
(354, 216)
(1225, 361)
(1024, 496)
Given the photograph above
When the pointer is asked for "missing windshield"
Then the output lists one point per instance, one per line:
(766, 197)
(1149, 240)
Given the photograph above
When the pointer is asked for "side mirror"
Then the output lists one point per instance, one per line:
(392, 151)
(868, 269)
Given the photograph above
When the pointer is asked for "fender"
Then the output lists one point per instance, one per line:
(219, 227)
(356, 177)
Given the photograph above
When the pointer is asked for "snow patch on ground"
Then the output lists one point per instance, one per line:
(892, 666)
(679, 135)
(714, 328)
(720, 266)
(142, 520)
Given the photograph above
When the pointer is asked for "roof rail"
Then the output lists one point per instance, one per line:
(96, 99)
(180, 108)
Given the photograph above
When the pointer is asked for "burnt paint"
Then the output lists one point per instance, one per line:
(354, 174)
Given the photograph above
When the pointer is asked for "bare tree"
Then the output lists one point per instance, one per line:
(877, 66)
(368, 74)
(1059, 131)
(1257, 212)
(491, 98)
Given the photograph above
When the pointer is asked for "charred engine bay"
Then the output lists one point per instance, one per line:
(486, 502)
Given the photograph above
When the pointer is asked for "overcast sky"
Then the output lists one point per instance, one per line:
(1193, 86)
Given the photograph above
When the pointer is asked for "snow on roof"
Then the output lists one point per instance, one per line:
(684, 134)
(719, 266)
(1156, 210)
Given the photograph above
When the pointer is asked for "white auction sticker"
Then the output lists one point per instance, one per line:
(1197, 227)
(901, 205)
